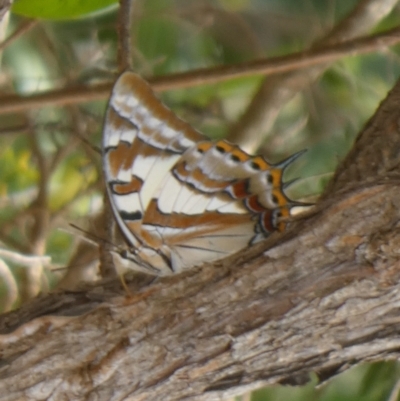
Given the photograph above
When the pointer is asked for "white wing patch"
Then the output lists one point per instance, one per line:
(129, 135)
(129, 203)
(143, 166)
(124, 175)
(155, 177)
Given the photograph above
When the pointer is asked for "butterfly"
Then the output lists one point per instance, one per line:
(179, 198)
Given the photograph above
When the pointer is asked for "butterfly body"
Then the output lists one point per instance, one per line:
(180, 199)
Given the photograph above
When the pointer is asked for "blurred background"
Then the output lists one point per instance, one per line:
(50, 167)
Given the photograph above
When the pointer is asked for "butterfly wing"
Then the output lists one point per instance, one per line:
(180, 199)
(142, 140)
(215, 200)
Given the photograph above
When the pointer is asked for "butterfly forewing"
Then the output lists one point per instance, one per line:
(142, 140)
(180, 199)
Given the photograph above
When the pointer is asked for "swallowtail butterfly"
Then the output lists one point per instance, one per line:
(179, 198)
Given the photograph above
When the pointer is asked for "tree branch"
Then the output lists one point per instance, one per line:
(24, 27)
(124, 35)
(202, 76)
(274, 93)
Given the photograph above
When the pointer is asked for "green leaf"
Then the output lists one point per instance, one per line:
(60, 9)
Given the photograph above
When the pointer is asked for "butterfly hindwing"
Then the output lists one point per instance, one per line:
(216, 198)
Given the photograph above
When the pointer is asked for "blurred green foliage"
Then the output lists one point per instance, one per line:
(366, 382)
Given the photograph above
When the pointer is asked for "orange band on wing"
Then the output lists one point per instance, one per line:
(153, 216)
(126, 188)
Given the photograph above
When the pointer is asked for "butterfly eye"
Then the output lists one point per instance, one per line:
(129, 253)
(124, 254)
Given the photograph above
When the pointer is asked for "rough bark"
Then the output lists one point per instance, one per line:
(321, 297)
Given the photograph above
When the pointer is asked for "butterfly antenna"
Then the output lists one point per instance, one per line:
(90, 237)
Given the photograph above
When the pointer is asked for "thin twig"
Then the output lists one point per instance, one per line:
(24, 260)
(33, 278)
(203, 76)
(10, 285)
(23, 28)
(255, 123)
(124, 35)
(7, 239)
(63, 151)
(107, 268)
(394, 395)
(40, 206)
(15, 129)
